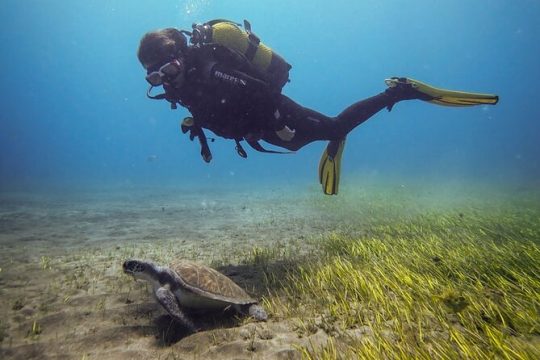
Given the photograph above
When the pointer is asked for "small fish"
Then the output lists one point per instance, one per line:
(151, 158)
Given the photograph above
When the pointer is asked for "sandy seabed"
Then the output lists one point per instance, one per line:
(63, 293)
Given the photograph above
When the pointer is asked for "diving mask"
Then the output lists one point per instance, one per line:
(166, 73)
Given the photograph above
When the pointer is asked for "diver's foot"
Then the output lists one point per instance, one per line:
(400, 88)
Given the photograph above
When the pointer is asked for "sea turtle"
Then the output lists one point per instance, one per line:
(191, 285)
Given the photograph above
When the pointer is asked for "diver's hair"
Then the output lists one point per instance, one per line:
(161, 45)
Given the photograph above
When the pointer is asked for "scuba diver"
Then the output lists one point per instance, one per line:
(231, 84)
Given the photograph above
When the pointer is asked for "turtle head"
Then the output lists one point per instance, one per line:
(139, 269)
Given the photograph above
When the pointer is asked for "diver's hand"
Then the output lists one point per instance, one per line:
(286, 134)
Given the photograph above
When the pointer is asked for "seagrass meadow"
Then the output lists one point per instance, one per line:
(437, 286)
(384, 272)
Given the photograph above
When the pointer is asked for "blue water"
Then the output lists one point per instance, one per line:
(74, 111)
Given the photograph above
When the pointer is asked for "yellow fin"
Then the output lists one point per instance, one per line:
(446, 97)
(330, 167)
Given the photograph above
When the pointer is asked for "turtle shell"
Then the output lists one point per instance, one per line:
(207, 282)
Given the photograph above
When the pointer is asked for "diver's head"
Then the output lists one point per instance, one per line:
(161, 54)
(160, 46)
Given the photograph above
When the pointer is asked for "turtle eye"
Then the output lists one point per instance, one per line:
(138, 267)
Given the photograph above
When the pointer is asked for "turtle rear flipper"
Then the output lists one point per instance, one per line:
(167, 299)
(257, 312)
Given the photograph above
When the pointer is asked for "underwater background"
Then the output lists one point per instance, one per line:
(431, 249)
(75, 115)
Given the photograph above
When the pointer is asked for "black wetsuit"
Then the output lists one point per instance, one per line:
(311, 125)
(223, 98)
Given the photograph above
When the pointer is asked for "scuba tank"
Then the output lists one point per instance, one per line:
(245, 42)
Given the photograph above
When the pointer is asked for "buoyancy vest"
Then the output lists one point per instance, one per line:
(271, 67)
(267, 64)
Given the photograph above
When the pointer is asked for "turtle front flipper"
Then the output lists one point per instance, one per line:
(167, 299)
